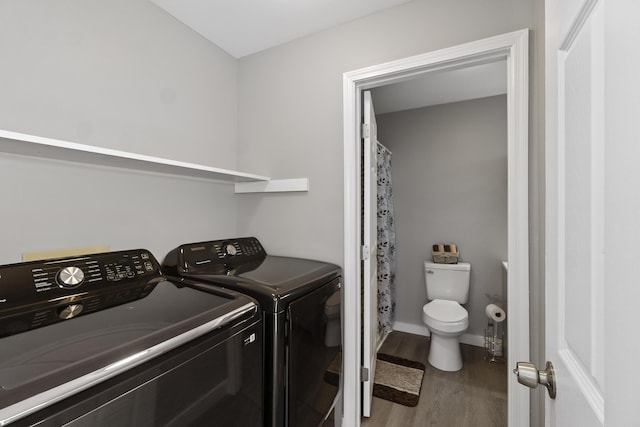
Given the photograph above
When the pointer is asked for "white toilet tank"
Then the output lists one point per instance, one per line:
(447, 281)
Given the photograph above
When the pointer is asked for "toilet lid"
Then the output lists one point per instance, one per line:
(445, 311)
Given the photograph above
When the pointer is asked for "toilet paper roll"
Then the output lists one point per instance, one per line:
(496, 313)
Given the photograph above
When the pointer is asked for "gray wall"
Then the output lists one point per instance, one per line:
(52, 204)
(290, 109)
(290, 122)
(123, 74)
(119, 74)
(449, 169)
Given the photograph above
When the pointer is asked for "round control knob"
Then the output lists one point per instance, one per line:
(70, 277)
(230, 250)
(71, 311)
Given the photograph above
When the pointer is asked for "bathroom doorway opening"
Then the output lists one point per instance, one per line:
(512, 48)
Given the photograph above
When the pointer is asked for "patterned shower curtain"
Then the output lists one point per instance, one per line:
(386, 244)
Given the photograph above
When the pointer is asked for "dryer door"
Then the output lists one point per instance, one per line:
(314, 355)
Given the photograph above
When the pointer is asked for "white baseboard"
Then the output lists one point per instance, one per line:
(410, 328)
(381, 341)
(475, 340)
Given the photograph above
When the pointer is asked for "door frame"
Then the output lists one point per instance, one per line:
(514, 48)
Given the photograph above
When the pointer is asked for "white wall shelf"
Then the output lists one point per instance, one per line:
(37, 146)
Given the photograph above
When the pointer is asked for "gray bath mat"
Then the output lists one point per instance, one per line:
(397, 380)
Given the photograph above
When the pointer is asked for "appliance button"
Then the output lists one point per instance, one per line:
(230, 250)
(70, 277)
(70, 311)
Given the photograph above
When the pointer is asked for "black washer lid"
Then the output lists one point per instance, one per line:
(275, 282)
(53, 356)
(285, 275)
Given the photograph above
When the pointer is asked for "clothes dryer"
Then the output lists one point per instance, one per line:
(300, 303)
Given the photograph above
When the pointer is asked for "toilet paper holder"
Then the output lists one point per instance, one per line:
(493, 337)
(494, 333)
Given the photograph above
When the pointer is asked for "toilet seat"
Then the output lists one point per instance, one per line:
(445, 316)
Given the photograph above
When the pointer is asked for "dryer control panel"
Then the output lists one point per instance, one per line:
(37, 293)
(216, 257)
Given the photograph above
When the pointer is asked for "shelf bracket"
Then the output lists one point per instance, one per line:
(273, 186)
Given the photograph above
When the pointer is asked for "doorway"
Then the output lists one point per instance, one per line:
(513, 48)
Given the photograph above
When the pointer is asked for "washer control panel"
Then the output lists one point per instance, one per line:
(34, 294)
(93, 271)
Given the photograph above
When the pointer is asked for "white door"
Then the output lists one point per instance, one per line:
(369, 245)
(592, 157)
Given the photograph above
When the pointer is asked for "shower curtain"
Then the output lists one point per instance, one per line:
(386, 251)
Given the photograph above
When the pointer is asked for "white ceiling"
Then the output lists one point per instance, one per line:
(442, 87)
(243, 27)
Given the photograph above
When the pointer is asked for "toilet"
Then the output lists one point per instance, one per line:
(447, 288)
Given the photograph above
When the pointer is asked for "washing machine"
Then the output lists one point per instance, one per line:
(106, 340)
(300, 300)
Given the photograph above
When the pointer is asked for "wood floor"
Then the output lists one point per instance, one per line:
(475, 396)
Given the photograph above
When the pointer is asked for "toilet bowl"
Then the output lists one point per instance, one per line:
(447, 321)
(447, 288)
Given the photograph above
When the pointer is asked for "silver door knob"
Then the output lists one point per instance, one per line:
(529, 375)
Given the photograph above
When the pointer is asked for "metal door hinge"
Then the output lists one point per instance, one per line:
(364, 374)
(365, 130)
(365, 253)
